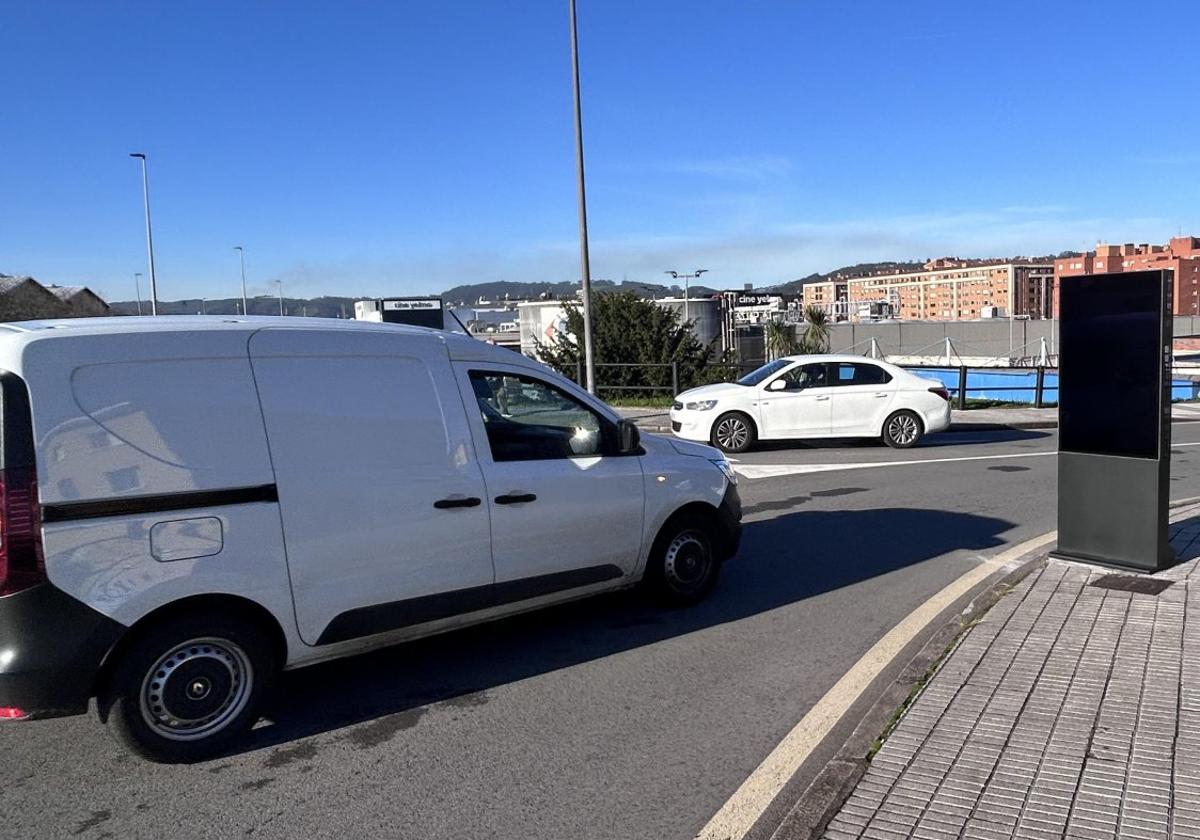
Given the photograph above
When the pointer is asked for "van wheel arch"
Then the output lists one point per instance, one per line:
(210, 604)
(697, 516)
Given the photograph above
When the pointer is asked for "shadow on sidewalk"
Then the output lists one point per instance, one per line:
(783, 560)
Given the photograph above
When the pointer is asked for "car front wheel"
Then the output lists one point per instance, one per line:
(903, 429)
(187, 688)
(733, 432)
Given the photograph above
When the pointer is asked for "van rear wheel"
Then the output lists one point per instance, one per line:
(683, 565)
(187, 688)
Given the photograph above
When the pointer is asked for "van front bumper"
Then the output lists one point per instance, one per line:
(729, 517)
(51, 647)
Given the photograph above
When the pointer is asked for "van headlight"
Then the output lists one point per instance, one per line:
(725, 467)
(700, 405)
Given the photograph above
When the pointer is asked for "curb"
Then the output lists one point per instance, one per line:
(834, 783)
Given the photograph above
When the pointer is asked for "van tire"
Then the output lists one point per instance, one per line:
(219, 667)
(683, 566)
(733, 432)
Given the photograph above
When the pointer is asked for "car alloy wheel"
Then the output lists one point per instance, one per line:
(732, 433)
(903, 429)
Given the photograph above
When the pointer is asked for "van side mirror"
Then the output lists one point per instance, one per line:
(629, 439)
(778, 385)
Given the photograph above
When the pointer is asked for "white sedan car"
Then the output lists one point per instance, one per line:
(814, 397)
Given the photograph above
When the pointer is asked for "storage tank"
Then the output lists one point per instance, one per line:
(704, 313)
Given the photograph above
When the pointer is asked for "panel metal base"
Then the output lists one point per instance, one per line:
(1113, 511)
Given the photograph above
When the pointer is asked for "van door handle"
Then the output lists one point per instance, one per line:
(469, 501)
(515, 498)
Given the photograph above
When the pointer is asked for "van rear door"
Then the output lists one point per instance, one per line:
(382, 500)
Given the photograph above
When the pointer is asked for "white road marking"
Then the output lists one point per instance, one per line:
(746, 806)
(753, 471)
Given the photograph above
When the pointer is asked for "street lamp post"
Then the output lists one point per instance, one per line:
(584, 262)
(242, 256)
(149, 235)
(137, 286)
(279, 283)
(687, 288)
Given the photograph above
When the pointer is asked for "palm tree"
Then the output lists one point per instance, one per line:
(816, 333)
(779, 338)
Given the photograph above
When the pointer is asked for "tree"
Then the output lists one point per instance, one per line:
(780, 339)
(816, 334)
(629, 330)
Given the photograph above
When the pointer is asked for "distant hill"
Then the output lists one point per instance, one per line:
(500, 289)
(795, 287)
(343, 307)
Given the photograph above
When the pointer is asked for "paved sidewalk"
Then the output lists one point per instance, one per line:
(1068, 710)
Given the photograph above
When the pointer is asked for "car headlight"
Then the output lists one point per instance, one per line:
(700, 405)
(725, 467)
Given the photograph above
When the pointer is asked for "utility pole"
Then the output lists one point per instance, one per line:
(279, 283)
(242, 256)
(584, 262)
(137, 285)
(149, 236)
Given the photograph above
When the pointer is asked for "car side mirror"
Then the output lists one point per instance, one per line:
(778, 385)
(629, 439)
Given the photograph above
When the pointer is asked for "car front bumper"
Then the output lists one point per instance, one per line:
(692, 425)
(51, 648)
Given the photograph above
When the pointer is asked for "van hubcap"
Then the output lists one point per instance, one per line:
(903, 429)
(732, 433)
(196, 689)
(687, 561)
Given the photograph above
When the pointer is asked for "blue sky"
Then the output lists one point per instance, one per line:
(405, 147)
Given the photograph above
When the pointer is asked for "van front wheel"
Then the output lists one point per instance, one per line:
(683, 567)
(187, 688)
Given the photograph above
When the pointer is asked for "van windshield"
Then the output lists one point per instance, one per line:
(756, 376)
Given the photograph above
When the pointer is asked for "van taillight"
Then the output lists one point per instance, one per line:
(941, 392)
(21, 561)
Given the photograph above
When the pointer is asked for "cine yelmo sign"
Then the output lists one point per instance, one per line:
(1115, 418)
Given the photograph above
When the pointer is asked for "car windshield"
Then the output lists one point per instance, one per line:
(757, 376)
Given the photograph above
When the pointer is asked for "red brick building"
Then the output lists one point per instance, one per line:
(1181, 255)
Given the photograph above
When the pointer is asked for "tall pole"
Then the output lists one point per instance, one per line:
(242, 256)
(149, 236)
(584, 262)
(137, 285)
(279, 283)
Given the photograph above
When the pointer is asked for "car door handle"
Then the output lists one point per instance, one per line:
(822, 399)
(515, 498)
(884, 394)
(468, 501)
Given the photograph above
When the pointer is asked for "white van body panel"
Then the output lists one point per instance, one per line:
(366, 433)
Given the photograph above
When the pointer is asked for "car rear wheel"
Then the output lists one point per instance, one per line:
(733, 432)
(187, 688)
(903, 429)
(683, 565)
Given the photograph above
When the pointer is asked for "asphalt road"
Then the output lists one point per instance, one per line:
(606, 719)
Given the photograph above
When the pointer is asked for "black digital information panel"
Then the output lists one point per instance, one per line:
(1116, 353)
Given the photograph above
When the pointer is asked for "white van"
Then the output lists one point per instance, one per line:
(189, 505)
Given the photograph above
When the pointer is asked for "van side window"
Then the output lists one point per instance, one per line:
(530, 420)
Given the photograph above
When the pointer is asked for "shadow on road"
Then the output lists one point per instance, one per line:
(982, 437)
(783, 560)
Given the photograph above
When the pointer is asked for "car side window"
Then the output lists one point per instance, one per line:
(858, 373)
(805, 376)
(530, 420)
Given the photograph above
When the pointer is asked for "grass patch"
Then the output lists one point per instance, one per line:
(924, 679)
(627, 401)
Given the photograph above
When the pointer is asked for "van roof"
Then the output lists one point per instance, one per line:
(459, 345)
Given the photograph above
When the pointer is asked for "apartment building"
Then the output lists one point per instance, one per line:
(1181, 255)
(946, 289)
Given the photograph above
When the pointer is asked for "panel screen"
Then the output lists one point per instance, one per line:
(1111, 385)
